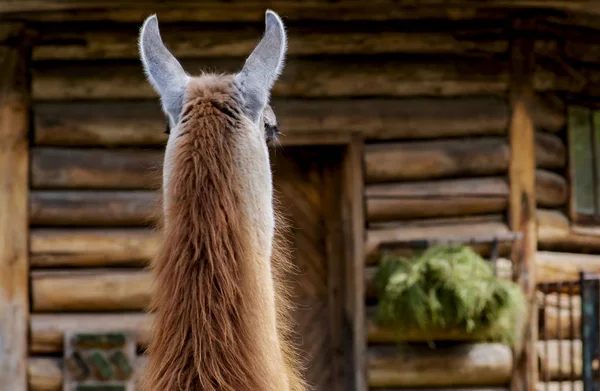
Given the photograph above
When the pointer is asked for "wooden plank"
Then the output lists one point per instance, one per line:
(442, 198)
(460, 365)
(522, 204)
(184, 11)
(303, 77)
(90, 290)
(60, 42)
(429, 229)
(455, 197)
(85, 247)
(48, 330)
(89, 208)
(75, 168)
(556, 234)
(46, 373)
(563, 267)
(14, 186)
(130, 123)
(353, 217)
(387, 162)
(581, 163)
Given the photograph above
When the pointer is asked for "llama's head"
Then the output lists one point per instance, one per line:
(221, 122)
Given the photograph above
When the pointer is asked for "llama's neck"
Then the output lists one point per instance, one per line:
(215, 326)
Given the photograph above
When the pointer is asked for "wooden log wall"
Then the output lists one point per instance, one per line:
(432, 106)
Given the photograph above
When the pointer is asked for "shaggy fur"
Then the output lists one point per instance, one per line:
(213, 329)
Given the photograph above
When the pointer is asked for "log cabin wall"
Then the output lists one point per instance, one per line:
(431, 103)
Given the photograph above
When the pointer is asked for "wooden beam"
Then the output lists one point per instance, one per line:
(14, 186)
(455, 197)
(459, 365)
(336, 76)
(90, 290)
(60, 42)
(353, 217)
(76, 168)
(522, 205)
(401, 161)
(214, 11)
(88, 247)
(430, 229)
(93, 208)
(130, 123)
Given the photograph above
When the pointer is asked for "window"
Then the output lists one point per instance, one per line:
(584, 164)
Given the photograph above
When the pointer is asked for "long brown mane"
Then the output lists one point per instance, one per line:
(201, 337)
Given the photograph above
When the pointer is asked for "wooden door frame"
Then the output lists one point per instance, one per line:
(351, 223)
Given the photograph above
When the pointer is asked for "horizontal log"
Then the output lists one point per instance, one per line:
(81, 208)
(441, 198)
(186, 11)
(90, 290)
(420, 366)
(563, 267)
(559, 359)
(432, 229)
(555, 234)
(69, 168)
(303, 77)
(46, 373)
(131, 123)
(47, 330)
(225, 41)
(452, 158)
(91, 247)
(455, 197)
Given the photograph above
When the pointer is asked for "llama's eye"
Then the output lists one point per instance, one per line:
(271, 132)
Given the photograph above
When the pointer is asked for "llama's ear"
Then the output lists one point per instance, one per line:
(162, 69)
(263, 66)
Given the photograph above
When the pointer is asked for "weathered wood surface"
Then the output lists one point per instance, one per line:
(556, 234)
(431, 229)
(419, 366)
(14, 186)
(130, 123)
(558, 359)
(185, 11)
(81, 208)
(46, 373)
(76, 168)
(90, 290)
(238, 41)
(48, 330)
(451, 158)
(455, 197)
(303, 77)
(524, 148)
(558, 266)
(85, 247)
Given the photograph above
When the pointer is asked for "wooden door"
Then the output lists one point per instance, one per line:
(306, 180)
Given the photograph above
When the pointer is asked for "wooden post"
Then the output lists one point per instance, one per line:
(523, 204)
(14, 223)
(353, 217)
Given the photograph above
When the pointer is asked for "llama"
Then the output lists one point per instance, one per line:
(222, 316)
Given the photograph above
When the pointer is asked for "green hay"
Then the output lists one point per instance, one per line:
(448, 286)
